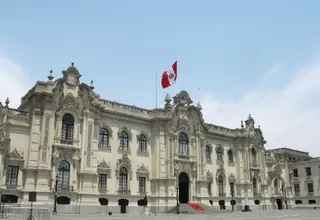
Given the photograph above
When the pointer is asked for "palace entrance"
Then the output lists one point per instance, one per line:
(183, 188)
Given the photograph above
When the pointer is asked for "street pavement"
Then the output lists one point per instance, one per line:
(259, 215)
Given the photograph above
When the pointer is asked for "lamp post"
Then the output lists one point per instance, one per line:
(177, 187)
(55, 197)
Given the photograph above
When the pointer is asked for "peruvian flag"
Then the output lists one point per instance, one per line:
(170, 76)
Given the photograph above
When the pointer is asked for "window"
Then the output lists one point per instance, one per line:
(123, 181)
(254, 186)
(12, 176)
(124, 144)
(209, 188)
(296, 188)
(67, 129)
(142, 184)
(219, 154)
(254, 157)
(102, 184)
(104, 138)
(308, 171)
(220, 185)
(230, 156)
(232, 189)
(295, 173)
(310, 188)
(208, 153)
(142, 144)
(183, 145)
(63, 176)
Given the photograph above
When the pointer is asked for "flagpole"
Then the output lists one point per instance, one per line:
(177, 78)
(156, 90)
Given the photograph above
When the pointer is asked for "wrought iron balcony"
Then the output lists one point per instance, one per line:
(124, 192)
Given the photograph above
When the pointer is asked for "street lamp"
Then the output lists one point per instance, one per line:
(177, 187)
(55, 197)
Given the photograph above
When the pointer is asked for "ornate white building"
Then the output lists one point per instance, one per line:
(107, 153)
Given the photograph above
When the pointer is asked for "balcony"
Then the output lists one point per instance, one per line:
(124, 192)
(12, 186)
(184, 158)
(66, 143)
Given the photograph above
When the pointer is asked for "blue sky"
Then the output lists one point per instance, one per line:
(229, 49)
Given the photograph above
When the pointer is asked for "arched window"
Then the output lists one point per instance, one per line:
(208, 153)
(123, 181)
(230, 156)
(67, 129)
(103, 138)
(219, 154)
(124, 144)
(183, 145)
(63, 176)
(254, 157)
(142, 144)
(220, 185)
(254, 186)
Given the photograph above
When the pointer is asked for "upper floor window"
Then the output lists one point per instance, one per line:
(142, 184)
(295, 173)
(183, 145)
(67, 129)
(230, 156)
(103, 138)
(308, 171)
(296, 188)
(232, 189)
(219, 154)
(123, 181)
(310, 188)
(254, 186)
(142, 144)
(63, 176)
(124, 143)
(254, 157)
(220, 185)
(102, 184)
(208, 153)
(12, 175)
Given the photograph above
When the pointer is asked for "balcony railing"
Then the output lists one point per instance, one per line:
(124, 192)
(12, 186)
(66, 141)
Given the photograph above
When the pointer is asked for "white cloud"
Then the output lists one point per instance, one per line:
(14, 82)
(289, 117)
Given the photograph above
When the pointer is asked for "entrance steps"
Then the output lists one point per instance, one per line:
(196, 208)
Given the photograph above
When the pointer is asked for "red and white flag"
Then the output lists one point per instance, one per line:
(170, 76)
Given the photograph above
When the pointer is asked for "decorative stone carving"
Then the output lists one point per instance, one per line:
(89, 145)
(182, 99)
(124, 161)
(182, 167)
(209, 176)
(142, 171)
(183, 123)
(45, 138)
(219, 146)
(104, 167)
(14, 155)
(69, 101)
(221, 172)
(231, 178)
(126, 130)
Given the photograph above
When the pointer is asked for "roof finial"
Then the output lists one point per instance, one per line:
(50, 77)
(72, 64)
(7, 102)
(241, 124)
(91, 84)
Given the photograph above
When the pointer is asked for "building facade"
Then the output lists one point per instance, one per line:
(103, 153)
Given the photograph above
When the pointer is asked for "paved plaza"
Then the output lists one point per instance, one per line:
(264, 215)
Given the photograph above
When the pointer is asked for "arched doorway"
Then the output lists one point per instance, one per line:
(183, 188)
